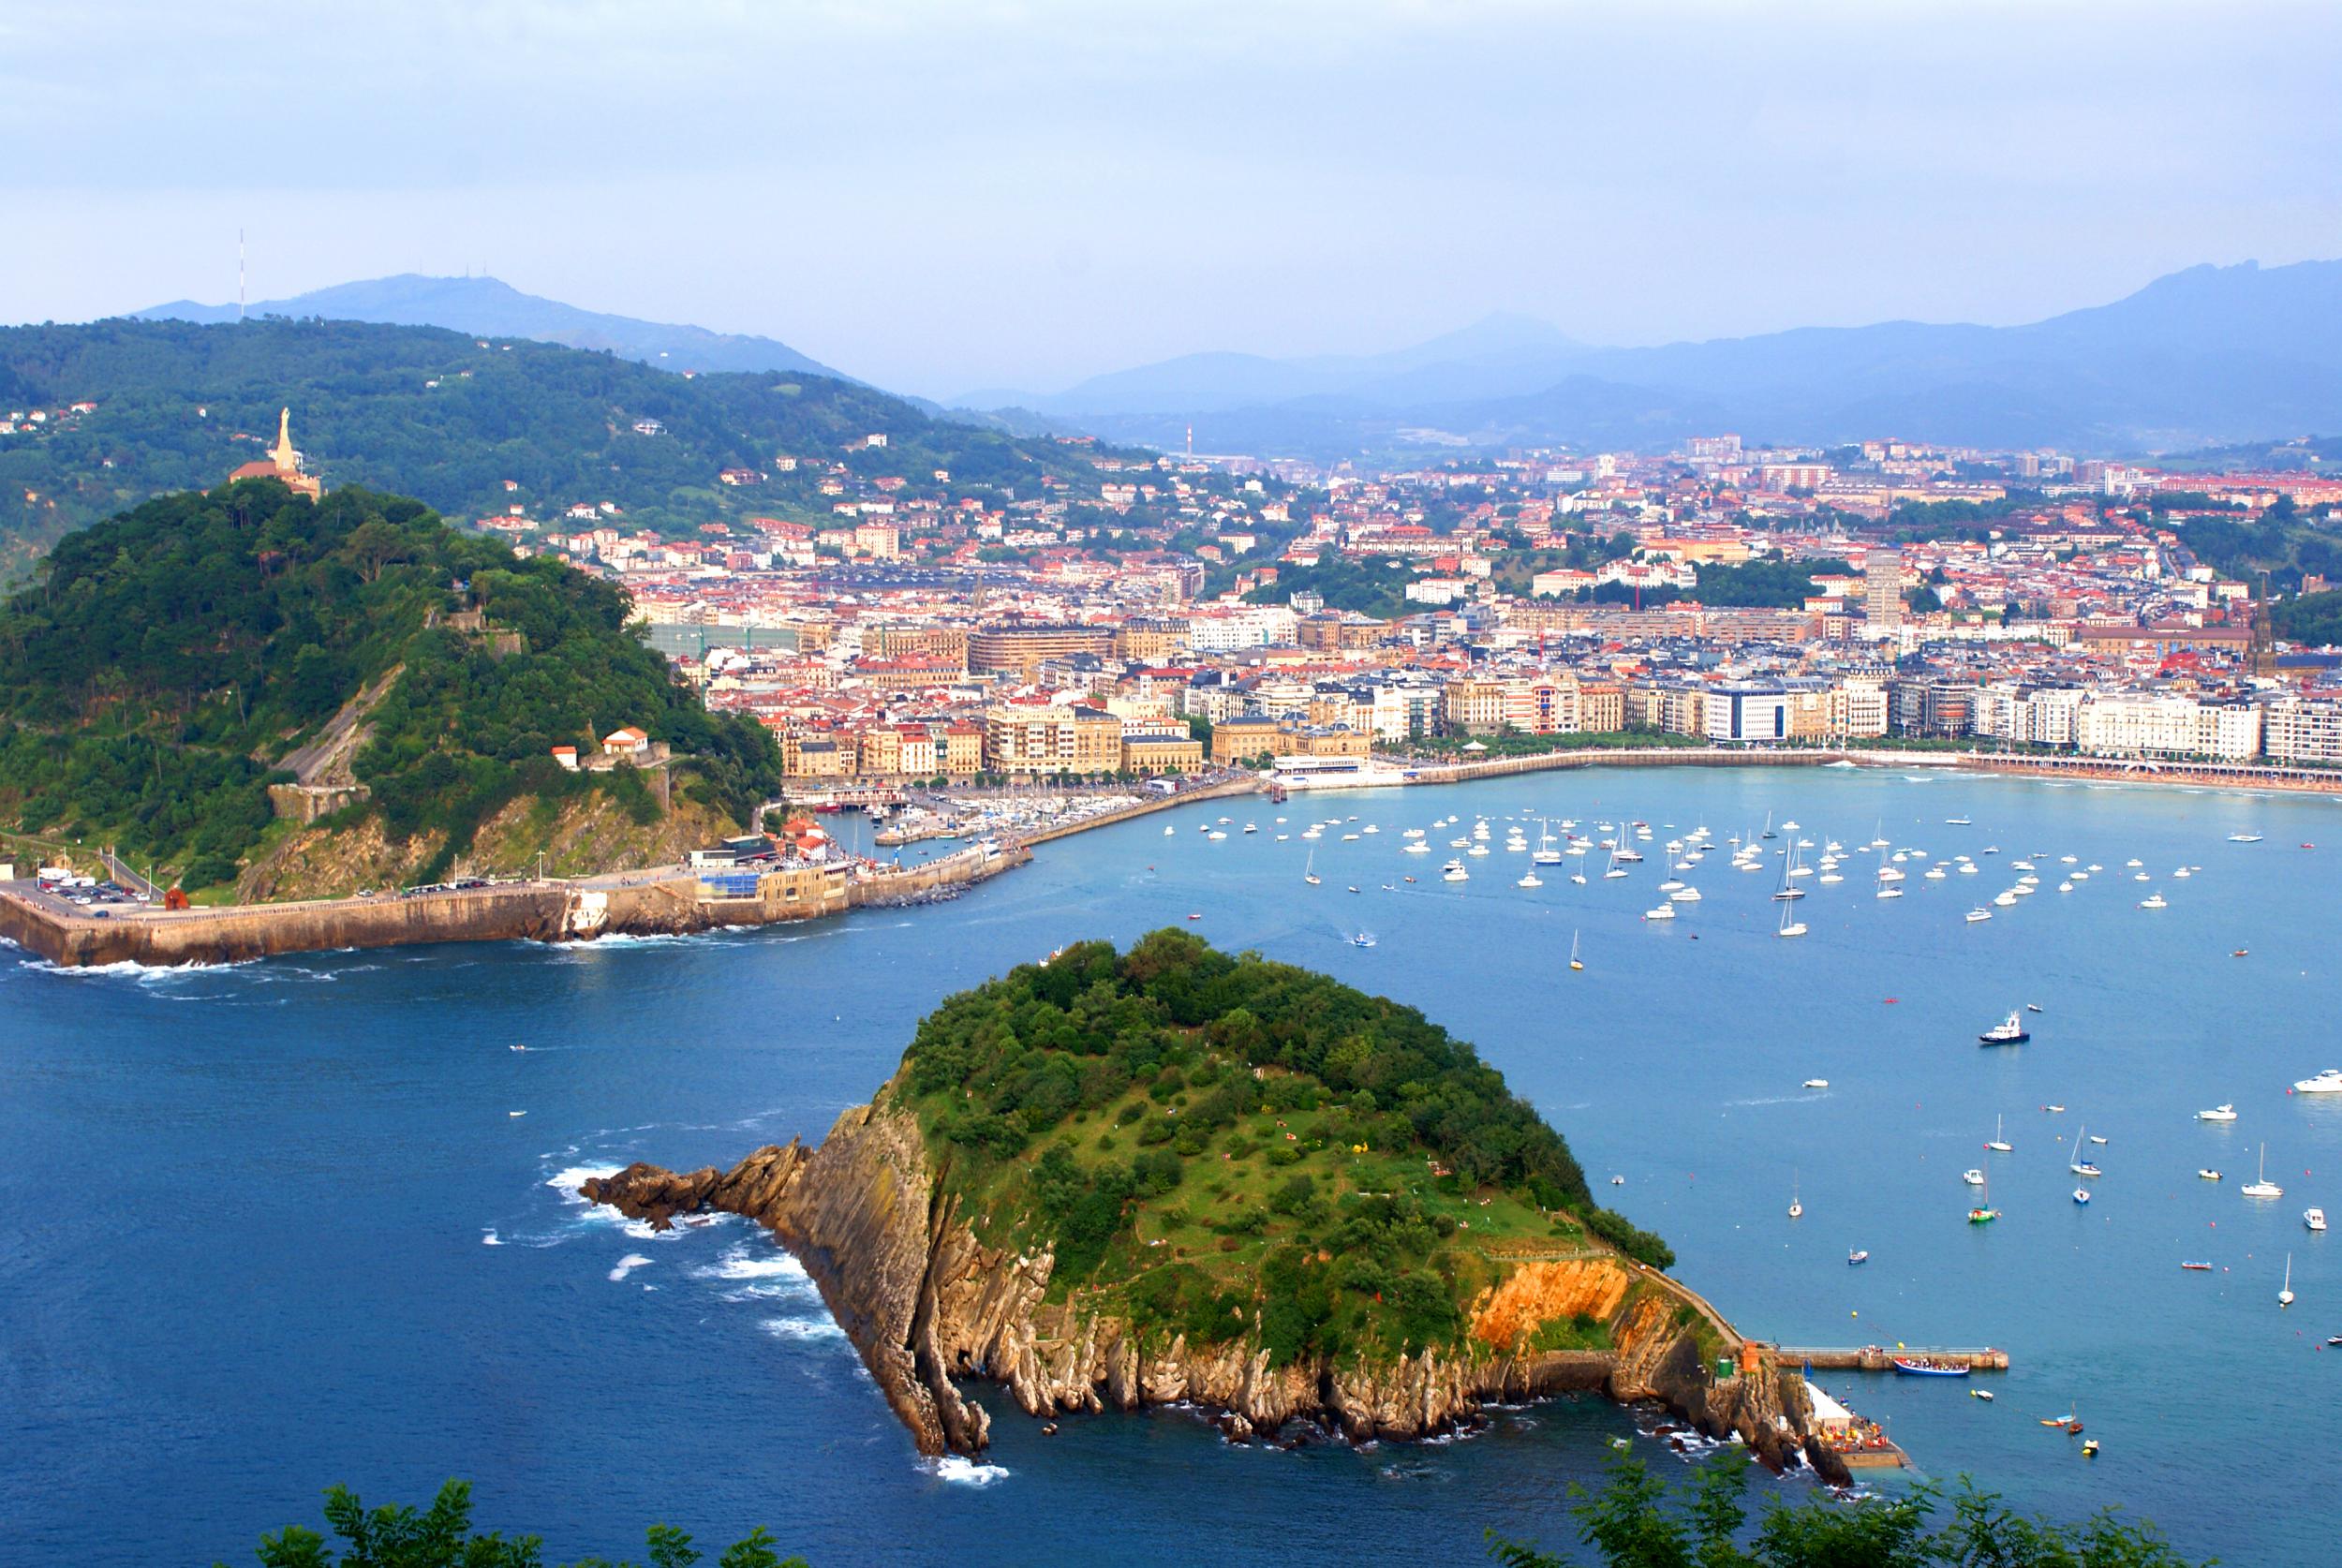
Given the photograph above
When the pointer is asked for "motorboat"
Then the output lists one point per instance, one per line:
(2009, 1031)
(1529, 879)
(2033, 1007)
(2154, 901)
(2196, 1265)
(1418, 847)
(2208, 1173)
(2082, 1194)
(1983, 1394)
(1169, 832)
(2314, 1218)
(1974, 915)
(1890, 892)
(1663, 911)
(2260, 1186)
(2328, 1082)
(1974, 1178)
(1857, 1255)
(2243, 839)
(1817, 1083)
(1454, 872)
(1685, 895)
(1364, 939)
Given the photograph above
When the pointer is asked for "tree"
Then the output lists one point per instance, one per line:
(1636, 1520)
(396, 1536)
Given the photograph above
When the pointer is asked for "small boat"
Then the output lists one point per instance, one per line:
(1858, 1255)
(2208, 1173)
(1192, 915)
(1817, 1083)
(1354, 888)
(2196, 1265)
(1796, 1205)
(2261, 1187)
(1309, 870)
(2154, 901)
(2033, 1007)
(2217, 1113)
(1618, 1181)
(1956, 822)
(2240, 952)
(1364, 939)
(516, 1113)
(2243, 839)
(2314, 1218)
(2089, 1448)
(1983, 1394)
(2082, 1194)
(1974, 1178)
(1530, 879)
(1252, 827)
(2285, 1293)
(1977, 914)
(1170, 832)
(1575, 962)
(1890, 892)
(1997, 1145)
(1665, 912)
(1927, 1367)
(520, 1047)
(2009, 1031)
(2328, 1082)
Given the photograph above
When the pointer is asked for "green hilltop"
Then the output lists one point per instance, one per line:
(450, 418)
(165, 666)
(1199, 1136)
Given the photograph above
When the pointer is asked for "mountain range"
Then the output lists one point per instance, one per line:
(2205, 355)
(493, 308)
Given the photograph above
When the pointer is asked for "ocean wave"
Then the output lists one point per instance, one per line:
(628, 1265)
(802, 1328)
(960, 1471)
(737, 1264)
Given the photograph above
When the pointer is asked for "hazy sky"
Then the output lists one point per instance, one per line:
(946, 196)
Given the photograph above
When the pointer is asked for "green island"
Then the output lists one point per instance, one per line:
(1201, 1138)
(400, 683)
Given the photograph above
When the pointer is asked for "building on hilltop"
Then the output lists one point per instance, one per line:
(282, 463)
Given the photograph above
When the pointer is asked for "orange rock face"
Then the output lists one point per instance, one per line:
(1538, 1292)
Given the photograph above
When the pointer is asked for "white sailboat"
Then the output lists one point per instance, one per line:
(1796, 1206)
(1309, 869)
(1998, 1146)
(2260, 1186)
(1789, 927)
(2078, 1165)
(2285, 1294)
(1575, 962)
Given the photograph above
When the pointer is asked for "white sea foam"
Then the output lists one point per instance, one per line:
(569, 1180)
(803, 1329)
(628, 1265)
(963, 1471)
(740, 1264)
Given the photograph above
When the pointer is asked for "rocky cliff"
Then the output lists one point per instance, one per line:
(925, 1302)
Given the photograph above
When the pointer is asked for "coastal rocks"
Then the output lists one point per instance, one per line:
(925, 1302)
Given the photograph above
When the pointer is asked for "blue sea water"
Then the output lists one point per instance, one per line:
(275, 1226)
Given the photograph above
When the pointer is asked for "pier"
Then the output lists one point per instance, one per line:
(1878, 1358)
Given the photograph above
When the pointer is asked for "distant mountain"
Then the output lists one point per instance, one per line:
(492, 308)
(2211, 354)
(1498, 354)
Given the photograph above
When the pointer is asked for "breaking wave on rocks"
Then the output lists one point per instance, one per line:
(961, 1470)
(628, 1265)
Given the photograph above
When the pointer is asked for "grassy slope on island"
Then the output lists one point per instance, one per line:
(436, 415)
(1199, 1136)
(165, 661)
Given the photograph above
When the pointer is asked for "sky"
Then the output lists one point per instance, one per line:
(980, 194)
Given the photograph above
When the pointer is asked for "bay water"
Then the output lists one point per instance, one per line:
(274, 1227)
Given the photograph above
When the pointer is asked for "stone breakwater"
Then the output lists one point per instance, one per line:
(925, 1303)
(552, 912)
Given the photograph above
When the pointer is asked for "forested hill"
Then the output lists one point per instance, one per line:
(164, 666)
(451, 419)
